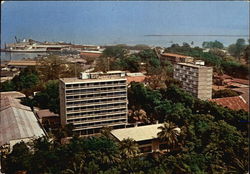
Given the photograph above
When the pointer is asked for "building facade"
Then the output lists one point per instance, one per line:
(195, 79)
(176, 58)
(94, 101)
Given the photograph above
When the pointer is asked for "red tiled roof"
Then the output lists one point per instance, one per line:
(234, 103)
(135, 79)
(241, 81)
(174, 55)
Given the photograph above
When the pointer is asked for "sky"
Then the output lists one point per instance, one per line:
(124, 22)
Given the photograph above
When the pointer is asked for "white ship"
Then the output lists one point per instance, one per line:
(35, 46)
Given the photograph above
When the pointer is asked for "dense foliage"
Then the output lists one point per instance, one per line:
(211, 44)
(119, 58)
(27, 79)
(221, 62)
(224, 93)
(213, 139)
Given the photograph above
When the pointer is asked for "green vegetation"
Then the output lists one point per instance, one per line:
(43, 80)
(48, 97)
(224, 93)
(211, 44)
(221, 62)
(213, 139)
(118, 58)
(25, 82)
(238, 48)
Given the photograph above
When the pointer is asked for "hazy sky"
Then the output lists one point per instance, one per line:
(114, 22)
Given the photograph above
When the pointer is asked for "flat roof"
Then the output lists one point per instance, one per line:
(195, 66)
(78, 80)
(46, 113)
(139, 133)
(175, 55)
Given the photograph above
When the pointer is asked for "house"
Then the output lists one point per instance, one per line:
(48, 119)
(234, 103)
(176, 58)
(135, 77)
(17, 123)
(145, 137)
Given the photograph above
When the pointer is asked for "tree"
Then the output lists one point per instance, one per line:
(238, 48)
(18, 159)
(52, 68)
(168, 133)
(115, 52)
(48, 98)
(224, 93)
(7, 86)
(128, 148)
(211, 44)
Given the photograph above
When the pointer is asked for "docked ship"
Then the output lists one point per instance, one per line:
(35, 46)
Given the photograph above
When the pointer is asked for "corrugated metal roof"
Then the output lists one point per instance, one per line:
(234, 103)
(137, 133)
(18, 123)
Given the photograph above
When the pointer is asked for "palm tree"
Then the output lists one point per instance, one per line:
(77, 169)
(105, 131)
(128, 148)
(169, 132)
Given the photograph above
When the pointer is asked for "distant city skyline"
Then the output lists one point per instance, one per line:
(159, 23)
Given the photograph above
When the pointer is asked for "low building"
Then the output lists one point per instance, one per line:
(176, 58)
(135, 77)
(48, 119)
(12, 94)
(90, 54)
(145, 137)
(234, 103)
(17, 123)
(195, 79)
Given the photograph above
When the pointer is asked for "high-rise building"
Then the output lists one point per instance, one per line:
(195, 78)
(93, 101)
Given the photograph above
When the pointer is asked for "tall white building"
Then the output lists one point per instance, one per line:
(93, 101)
(195, 78)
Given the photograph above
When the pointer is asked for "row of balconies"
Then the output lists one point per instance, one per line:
(100, 124)
(95, 87)
(94, 100)
(98, 119)
(98, 109)
(97, 103)
(97, 96)
(96, 92)
(93, 114)
(86, 85)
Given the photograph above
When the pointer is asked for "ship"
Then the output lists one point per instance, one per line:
(29, 45)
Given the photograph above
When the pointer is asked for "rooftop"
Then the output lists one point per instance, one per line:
(46, 113)
(13, 94)
(23, 63)
(135, 78)
(139, 133)
(234, 103)
(8, 101)
(195, 66)
(17, 122)
(174, 55)
(96, 76)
